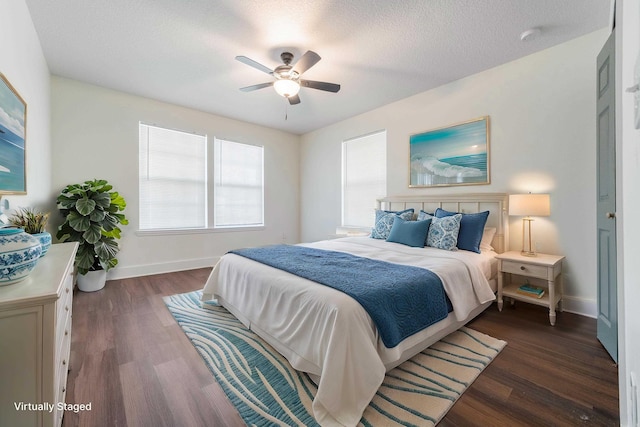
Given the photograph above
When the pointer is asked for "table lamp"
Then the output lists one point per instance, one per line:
(528, 205)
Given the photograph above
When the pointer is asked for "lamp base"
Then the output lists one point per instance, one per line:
(527, 250)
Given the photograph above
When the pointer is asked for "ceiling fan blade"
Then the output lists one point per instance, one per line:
(306, 61)
(250, 62)
(293, 100)
(256, 87)
(329, 87)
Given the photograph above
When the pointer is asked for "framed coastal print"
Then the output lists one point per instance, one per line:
(453, 155)
(13, 119)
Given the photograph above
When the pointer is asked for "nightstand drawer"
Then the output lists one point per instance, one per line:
(515, 267)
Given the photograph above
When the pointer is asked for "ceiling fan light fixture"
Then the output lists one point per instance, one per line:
(288, 77)
(286, 87)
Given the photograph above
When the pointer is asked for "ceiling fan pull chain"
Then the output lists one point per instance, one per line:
(286, 110)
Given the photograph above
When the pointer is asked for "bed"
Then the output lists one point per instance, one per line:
(328, 334)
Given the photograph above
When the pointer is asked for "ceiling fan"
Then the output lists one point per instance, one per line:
(287, 81)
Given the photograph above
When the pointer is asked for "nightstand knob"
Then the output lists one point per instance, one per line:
(611, 215)
(522, 268)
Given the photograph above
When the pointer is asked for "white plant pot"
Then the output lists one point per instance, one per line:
(92, 281)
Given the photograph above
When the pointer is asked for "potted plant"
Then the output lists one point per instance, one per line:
(33, 222)
(92, 218)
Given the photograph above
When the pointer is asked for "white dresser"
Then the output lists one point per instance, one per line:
(35, 341)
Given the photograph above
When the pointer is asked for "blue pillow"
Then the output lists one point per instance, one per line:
(471, 229)
(422, 215)
(384, 222)
(410, 233)
(443, 232)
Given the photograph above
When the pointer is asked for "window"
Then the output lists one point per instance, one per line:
(364, 178)
(238, 184)
(172, 179)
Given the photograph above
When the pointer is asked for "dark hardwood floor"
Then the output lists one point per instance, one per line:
(132, 362)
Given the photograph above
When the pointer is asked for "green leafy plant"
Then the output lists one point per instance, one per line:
(29, 219)
(92, 218)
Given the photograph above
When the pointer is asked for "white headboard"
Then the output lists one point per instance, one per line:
(495, 203)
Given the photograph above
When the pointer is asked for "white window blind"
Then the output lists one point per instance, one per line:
(172, 179)
(364, 178)
(238, 184)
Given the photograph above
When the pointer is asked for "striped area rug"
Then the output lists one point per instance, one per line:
(267, 391)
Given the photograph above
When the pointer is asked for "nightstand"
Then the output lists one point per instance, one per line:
(542, 266)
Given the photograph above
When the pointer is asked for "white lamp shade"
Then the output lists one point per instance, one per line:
(529, 205)
(286, 87)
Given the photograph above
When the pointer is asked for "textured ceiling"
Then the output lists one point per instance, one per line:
(380, 51)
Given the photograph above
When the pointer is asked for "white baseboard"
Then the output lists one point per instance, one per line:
(165, 267)
(582, 306)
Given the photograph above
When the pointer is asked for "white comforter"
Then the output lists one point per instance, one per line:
(327, 333)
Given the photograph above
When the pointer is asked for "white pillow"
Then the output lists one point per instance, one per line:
(487, 238)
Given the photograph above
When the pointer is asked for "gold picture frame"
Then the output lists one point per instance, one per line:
(13, 137)
(456, 154)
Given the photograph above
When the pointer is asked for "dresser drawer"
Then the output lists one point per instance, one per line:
(63, 353)
(61, 394)
(64, 305)
(63, 371)
(63, 342)
(514, 267)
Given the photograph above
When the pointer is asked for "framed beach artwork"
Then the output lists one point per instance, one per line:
(453, 155)
(13, 120)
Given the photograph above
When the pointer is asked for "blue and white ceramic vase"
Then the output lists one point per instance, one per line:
(45, 241)
(19, 253)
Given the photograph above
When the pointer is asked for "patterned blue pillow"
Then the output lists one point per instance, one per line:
(384, 222)
(471, 229)
(422, 215)
(443, 232)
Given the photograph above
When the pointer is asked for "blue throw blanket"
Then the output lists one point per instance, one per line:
(401, 300)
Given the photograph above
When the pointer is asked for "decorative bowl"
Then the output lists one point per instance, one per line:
(19, 253)
(45, 241)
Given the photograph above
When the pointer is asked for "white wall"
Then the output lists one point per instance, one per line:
(95, 135)
(542, 112)
(628, 200)
(23, 65)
